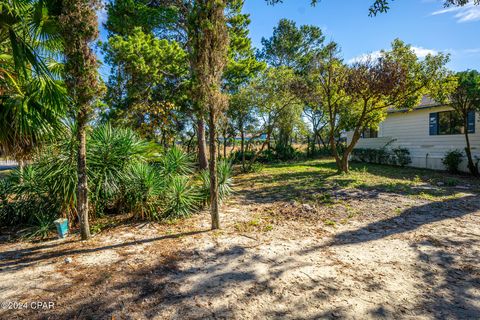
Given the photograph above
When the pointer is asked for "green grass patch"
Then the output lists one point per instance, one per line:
(317, 181)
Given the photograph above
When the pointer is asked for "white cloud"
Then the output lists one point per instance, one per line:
(419, 51)
(472, 51)
(469, 12)
(364, 57)
(422, 52)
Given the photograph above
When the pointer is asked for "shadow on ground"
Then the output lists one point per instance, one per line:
(22, 258)
(410, 219)
(226, 282)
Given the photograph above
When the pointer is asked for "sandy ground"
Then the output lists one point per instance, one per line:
(403, 259)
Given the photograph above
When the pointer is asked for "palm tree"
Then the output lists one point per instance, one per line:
(32, 97)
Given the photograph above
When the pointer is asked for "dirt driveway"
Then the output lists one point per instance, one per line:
(417, 260)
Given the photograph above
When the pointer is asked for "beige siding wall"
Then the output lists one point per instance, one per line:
(411, 130)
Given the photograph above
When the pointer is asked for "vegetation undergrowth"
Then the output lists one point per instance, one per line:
(125, 175)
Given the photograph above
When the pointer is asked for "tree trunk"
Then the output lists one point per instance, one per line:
(333, 146)
(219, 148)
(225, 144)
(213, 174)
(344, 164)
(471, 166)
(82, 188)
(202, 144)
(308, 146)
(242, 147)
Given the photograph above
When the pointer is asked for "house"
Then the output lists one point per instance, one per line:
(428, 132)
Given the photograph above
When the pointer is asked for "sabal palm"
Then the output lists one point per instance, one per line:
(32, 97)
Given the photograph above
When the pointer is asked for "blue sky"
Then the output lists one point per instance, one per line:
(424, 24)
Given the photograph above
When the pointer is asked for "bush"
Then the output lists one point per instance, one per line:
(225, 180)
(401, 156)
(381, 156)
(237, 156)
(6, 204)
(398, 156)
(254, 168)
(285, 152)
(25, 201)
(142, 187)
(181, 198)
(120, 180)
(111, 154)
(224, 174)
(174, 162)
(41, 226)
(452, 160)
(277, 154)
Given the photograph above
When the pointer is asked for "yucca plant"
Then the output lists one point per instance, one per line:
(110, 154)
(57, 169)
(28, 197)
(173, 162)
(41, 226)
(225, 181)
(142, 190)
(181, 198)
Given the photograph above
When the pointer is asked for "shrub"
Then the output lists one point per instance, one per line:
(173, 162)
(285, 152)
(25, 200)
(398, 156)
(41, 226)
(225, 180)
(268, 155)
(254, 168)
(224, 172)
(181, 198)
(120, 180)
(237, 156)
(142, 188)
(111, 154)
(381, 156)
(164, 189)
(452, 160)
(6, 205)
(57, 166)
(401, 156)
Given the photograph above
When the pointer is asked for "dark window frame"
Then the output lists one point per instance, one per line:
(436, 129)
(454, 124)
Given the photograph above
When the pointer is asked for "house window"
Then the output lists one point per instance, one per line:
(448, 123)
(369, 133)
